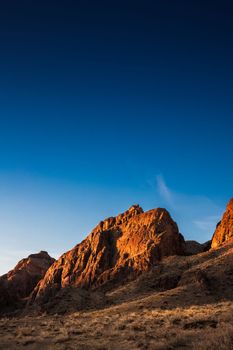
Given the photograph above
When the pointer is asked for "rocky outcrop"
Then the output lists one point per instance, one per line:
(193, 247)
(224, 229)
(19, 282)
(119, 248)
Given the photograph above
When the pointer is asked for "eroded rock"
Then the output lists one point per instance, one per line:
(118, 248)
(224, 229)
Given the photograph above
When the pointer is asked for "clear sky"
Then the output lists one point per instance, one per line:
(104, 104)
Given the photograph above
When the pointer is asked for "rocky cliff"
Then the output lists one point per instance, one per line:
(118, 248)
(224, 229)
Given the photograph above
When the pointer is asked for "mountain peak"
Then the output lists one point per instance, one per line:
(136, 209)
(19, 282)
(230, 204)
(118, 248)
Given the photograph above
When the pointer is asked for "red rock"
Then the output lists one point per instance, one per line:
(19, 282)
(224, 229)
(118, 248)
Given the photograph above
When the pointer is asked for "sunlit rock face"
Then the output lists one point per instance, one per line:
(117, 249)
(224, 229)
(19, 282)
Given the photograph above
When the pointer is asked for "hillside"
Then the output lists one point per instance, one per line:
(185, 303)
(172, 295)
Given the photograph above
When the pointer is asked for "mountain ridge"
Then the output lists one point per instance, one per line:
(118, 250)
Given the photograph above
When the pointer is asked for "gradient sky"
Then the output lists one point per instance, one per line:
(104, 104)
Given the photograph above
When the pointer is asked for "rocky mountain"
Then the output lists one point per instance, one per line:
(224, 229)
(193, 247)
(133, 283)
(19, 282)
(183, 302)
(118, 249)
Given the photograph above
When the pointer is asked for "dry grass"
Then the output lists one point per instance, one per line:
(143, 314)
(198, 327)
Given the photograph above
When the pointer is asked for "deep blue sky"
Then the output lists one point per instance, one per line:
(107, 103)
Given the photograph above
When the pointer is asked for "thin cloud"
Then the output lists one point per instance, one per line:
(196, 216)
(207, 223)
(163, 190)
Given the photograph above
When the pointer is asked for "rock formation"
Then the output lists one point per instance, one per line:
(119, 248)
(224, 229)
(193, 247)
(19, 282)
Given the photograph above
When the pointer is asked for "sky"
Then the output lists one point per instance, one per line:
(104, 104)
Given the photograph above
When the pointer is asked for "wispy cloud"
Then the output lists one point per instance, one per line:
(207, 223)
(197, 216)
(163, 190)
